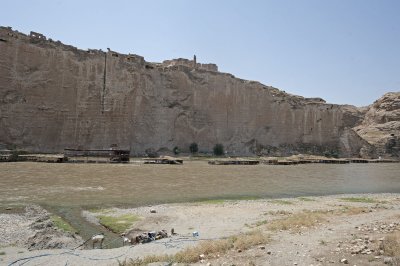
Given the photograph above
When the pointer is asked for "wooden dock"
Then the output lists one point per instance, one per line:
(305, 161)
(360, 160)
(5, 157)
(383, 161)
(270, 161)
(163, 160)
(43, 158)
(334, 161)
(80, 159)
(295, 161)
(112, 155)
(287, 162)
(234, 162)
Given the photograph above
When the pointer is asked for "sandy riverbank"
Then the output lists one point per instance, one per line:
(333, 229)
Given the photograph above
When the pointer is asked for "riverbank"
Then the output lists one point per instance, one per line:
(296, 231)
(14, 156)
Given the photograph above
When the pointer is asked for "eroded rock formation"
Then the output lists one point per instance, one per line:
(55, 96)
(381, 125)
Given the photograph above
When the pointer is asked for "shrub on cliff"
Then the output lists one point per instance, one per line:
(194, 148)
(218, 149)
(176, 150)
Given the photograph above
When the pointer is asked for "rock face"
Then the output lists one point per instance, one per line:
(381, 125)
(54, 96)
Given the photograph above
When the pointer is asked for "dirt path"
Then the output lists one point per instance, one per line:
(343, 227)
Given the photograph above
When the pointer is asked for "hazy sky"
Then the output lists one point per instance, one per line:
(345, 51)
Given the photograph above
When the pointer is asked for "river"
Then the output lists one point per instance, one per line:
(66, 189)
(90, 185)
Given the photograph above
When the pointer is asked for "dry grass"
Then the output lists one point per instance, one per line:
(250, 239)
(145, 261)
(259, 223)
(352, 210)
(191, 254)
(298, 221)
(307, 218)
(208, 248)
(243, 242)
(279, 212)
(348, 210)
(391, 245)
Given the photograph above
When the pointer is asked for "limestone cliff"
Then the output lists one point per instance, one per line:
(55, 96)
(381, 125)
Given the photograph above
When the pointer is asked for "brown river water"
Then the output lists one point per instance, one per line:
(88, 185)
(66, 189)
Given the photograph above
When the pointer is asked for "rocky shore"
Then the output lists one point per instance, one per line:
(34, 230)
(331, 230)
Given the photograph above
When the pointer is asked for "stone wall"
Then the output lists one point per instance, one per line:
(190, 64)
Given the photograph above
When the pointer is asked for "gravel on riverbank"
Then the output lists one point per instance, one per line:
(327, 241)
(33, 229)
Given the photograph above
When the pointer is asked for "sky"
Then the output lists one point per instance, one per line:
(344, 51)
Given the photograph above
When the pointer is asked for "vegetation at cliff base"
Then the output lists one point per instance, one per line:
(194, 148)
(218, 149)
(176, 150)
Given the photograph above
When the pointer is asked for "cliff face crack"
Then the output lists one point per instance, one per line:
(104, 83)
